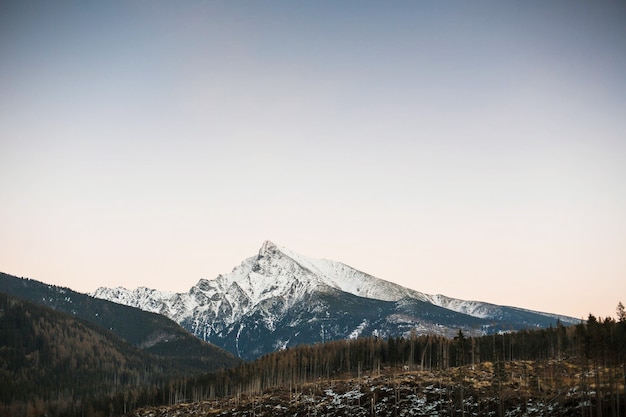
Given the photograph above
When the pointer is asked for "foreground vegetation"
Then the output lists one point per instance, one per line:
(55, 365)
(576, 370)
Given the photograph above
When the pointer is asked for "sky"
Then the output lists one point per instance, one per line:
(472, 149)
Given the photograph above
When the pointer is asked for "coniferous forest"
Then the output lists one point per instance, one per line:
(580, 368)
(54, 364)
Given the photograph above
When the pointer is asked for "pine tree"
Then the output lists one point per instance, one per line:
(621, 312)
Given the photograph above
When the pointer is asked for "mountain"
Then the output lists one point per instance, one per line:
(52, 363)
(153, 333)
(280, 298)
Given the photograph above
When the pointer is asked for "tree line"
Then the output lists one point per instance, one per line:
(597, 347)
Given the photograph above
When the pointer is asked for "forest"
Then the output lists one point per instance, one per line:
(595, 348)
(54, 365)
(589, 357)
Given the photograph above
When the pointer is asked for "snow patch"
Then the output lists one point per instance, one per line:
(357, 332)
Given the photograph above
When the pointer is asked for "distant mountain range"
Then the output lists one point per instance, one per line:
(279, 298)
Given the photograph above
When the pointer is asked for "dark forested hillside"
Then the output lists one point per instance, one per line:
(57, 364)
(151, 332)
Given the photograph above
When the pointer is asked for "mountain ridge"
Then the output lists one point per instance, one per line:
(267, 291)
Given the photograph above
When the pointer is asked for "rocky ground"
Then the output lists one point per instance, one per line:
(521, 389)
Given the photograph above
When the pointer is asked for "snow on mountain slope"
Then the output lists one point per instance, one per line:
(486, 310)
(347, 279)
(281, 298)
(276, 272)
(472, 308)
(146, 299)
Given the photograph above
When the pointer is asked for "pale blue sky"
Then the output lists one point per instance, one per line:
(472, 149)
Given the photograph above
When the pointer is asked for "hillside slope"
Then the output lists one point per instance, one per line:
(151, 332)
(54, 363)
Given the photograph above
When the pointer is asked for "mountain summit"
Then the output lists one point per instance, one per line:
(334, 275)
(280, 298)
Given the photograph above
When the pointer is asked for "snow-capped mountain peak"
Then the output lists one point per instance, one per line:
(296, 298)
(267, 247)
(275, 273)
(338, 275)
